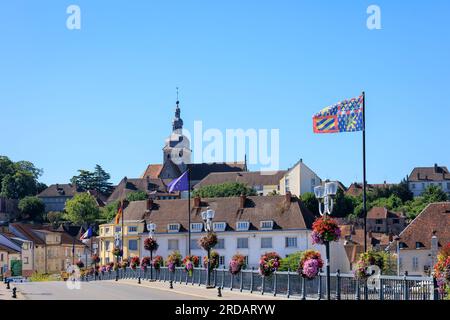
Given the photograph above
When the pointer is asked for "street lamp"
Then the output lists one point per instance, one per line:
(151, 230)
(325, 195)
(117, 236)
(207, 217)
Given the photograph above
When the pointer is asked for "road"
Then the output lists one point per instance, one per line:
(127, 290)
(101, 290)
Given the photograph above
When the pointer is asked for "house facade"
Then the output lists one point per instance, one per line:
(299, 180)
(418, 245)
(423, 177)
(382, 220)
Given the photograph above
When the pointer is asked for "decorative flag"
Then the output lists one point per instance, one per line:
(119, 213)
(345, 116)
(180, 184)
(87, 234)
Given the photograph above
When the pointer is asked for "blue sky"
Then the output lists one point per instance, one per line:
(106, 93)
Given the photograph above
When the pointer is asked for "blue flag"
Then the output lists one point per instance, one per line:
(179, 184)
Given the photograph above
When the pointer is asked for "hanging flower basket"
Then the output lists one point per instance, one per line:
(157, 262)
(269, 263)
(117, 252)
(214, 260)
(116, 266)
(124, 264)
(95, 259)
(80, 264)
(209, 241)
(110, 266)
(441, 271)
(325, 229)
(367, 259)
(310, 264)
(237, 263)
(135, 262)
(150, 244)
(173, 261)
(103, 269)
(145, 262)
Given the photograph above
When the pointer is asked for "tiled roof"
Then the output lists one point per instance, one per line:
(434, 218)
(200, 170)
(132, 185)
(31, 232)
(256, 178)
(7, 249)
(381, 213)
(436, 173)
(356, 189)
(152, 171)
(57, 190)
(285, 214)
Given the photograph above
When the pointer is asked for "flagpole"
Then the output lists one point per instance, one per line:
(189, 211)
(364, 172)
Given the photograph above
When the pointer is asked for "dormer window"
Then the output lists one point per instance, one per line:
(173, 227)
(266, 225)
(419, 245)
(219, 226)
(132, 229)
(196, 227)
(242, 225)
(402, 245)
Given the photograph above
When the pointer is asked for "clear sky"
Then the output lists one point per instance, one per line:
(106, 93)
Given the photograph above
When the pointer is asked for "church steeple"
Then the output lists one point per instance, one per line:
(177, 123)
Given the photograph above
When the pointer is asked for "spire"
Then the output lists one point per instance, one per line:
(177, 123)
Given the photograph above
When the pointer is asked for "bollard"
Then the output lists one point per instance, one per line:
(14, 295)
(139, 280)
(171, 284)
(219, 292)
(7, 285)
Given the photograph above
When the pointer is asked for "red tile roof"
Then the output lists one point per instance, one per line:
(254, 178)
(152, 171)
(381, 213)
(436, 173)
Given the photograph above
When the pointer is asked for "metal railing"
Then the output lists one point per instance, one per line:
(288, 284)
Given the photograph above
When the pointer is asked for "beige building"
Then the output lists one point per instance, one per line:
(299, 180)
(131, 239)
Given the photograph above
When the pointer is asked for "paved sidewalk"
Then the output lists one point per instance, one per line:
(6, 294)
(200, 291)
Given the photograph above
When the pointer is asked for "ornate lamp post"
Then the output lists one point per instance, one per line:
(117, 237)
(207, 217)
(151, 231)
(325, 196)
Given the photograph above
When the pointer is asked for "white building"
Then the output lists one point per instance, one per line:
(414, 247)
(299, 179)
(250, 226)
(423, 177)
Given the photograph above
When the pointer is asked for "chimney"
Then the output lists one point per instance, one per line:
(288, 197)
(197, 201)
(149, 204)
(436, 168)
(125, 179)
(242, 201)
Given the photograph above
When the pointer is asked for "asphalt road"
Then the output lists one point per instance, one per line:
(101, 290)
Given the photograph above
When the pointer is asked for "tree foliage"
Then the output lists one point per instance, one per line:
(82, 209)
(291, 262)
(97, 180)
(31, 208)
(109, 211)
(137, 196)
(55, 217)
(228, 189)
(18, 179)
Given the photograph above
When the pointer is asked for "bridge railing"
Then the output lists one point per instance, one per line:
(287, 283)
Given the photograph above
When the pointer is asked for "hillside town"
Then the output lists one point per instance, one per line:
(46, 229)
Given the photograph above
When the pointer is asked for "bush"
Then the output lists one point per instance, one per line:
(31, 208)
(290, 262)
(137, 196)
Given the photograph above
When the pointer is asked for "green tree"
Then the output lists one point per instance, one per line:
(31, 208)
(310, 201)
(82, 209)
(55, 217)
(291, 262)
(84, 180)
(97, 180)
(109, 211)
(228, 189)
(343, 204)
(137, 196)
(402, 191)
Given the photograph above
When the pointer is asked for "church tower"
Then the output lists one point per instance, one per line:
(176, 151)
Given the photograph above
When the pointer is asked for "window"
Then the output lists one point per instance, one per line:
(107, 230)
(132, 229)
(242, 243)
(196, 227)
(219, 226)
(107, 260)
(379, 221)
(173, 227)
(220, 244)
(448, 185)
(221, 260)
(132, 245)
(107, 245)
(172, 244)
(266, 225)
(242, 225)
(266, 243)
(118, 229)
(415, 263)
(396, 221)
(25, 246)
(419, 245)
(413, 185)
(25, 260)
(194, 244)
(378, 229)
(1, 257)
(291, 242)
